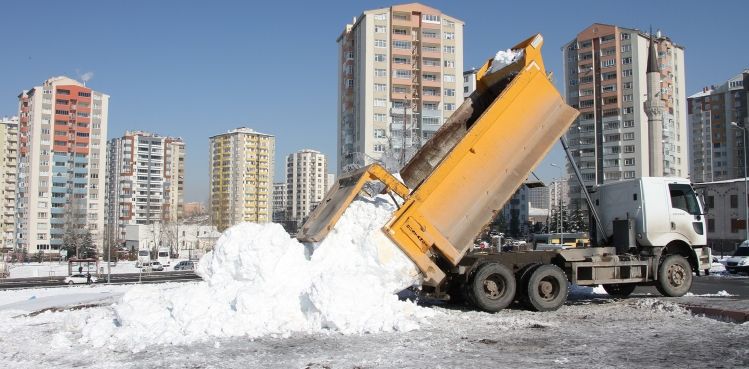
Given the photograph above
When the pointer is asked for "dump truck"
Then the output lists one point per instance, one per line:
(459, 179)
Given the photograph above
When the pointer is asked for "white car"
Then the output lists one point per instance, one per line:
(739, 262)
(78, 279)
(156, 266)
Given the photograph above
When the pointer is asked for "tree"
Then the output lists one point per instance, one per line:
(169, 236)
(86, 248)
(577, 221)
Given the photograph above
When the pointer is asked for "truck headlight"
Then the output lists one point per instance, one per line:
(744, 261)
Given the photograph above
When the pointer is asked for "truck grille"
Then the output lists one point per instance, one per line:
(732, 263)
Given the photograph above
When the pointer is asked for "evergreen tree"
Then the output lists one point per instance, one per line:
(86, 248)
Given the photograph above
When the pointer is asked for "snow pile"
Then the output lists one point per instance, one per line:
(504, 58)
(721, 293)
(259, 281)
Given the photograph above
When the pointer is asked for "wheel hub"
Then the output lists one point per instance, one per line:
(546, 289)
(493, 289)
(676, 275)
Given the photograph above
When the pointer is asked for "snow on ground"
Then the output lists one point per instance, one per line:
(259, 281)
(607, 333)
(722, 293)
(35, 299)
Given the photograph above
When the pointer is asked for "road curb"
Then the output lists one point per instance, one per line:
(732, 316)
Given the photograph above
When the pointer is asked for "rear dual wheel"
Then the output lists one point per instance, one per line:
(545, 288)
(492, 287)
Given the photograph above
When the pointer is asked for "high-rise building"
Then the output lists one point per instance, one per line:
(306, 183)
(145, 180)
(8, 171)
(279, 202)
(469, 82)
(717, 147)
(241, 175)
(399, 79)
(606, 70)
(61, 163)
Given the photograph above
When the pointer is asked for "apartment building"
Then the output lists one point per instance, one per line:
(399, 79)
(61, 163)
(606, 70)
(8, 171)
(279, 202)
(241, 177)
(306, 183)
(717, 147)
(145, 180)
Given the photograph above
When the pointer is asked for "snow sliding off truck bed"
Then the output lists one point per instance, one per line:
(456, 182)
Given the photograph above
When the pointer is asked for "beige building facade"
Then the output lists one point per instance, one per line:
(399, 79)
(241, 177)
(306, 183)
(8, 171)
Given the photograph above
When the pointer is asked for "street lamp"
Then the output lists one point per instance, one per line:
(746, 185)
(561, 209)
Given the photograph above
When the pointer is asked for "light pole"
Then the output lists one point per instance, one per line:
(746, 185)
(561, 209)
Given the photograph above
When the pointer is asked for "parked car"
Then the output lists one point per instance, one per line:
(78, 279)
(156, 266)
(185, 265)
(739, 262)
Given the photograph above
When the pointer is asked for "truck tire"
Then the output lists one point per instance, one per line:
(492, 287)
(546, 288)
(674, 276)
(620, 290)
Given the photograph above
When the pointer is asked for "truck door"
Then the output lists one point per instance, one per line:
(686, 215)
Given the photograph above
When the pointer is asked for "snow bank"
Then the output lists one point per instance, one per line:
(721, 293)
(504, 58)
(259, 281)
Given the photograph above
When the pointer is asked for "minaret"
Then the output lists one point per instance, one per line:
(654, 110)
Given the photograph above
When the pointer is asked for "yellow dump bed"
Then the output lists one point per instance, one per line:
(463, 175)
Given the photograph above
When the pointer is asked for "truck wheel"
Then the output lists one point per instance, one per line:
(620, 290)
(674, 276)
(546, 289)
(492, 288)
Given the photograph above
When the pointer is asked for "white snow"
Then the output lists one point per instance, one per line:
(722, 293)
(504, 58)
(58, 269)
(259, 281)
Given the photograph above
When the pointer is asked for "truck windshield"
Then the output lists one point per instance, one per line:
(684, 198)
(143, 253)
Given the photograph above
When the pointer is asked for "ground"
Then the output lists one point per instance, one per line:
(591, 330)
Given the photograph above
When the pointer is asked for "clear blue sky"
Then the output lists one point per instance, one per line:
(196, 69)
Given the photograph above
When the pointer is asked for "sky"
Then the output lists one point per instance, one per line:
(197, 69)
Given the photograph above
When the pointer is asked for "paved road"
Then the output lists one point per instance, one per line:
(707, 285)
(153, 277)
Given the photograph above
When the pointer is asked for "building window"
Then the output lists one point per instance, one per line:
(400, 60)
(626, 48)
(380, 102)
(428, 18)
(400, 31)
(398, 44)
(609, 88)
(449, 63)
(380, 29)
(629, 162)
(381, 73)
(629, 174)
(349, 83)
(380, 43)
(627, 98)
(627, 73)
(404, 74)
(627, 60)
(379, 148)
(449, 35)
(625, 36)
(379, 57)
(629, 123)
(627, 85)
(449, 92)
(448, 49)
(380, 87)
(628, 110)
(380, 16)
(449, 106)
(628, 136)
(608, 63)
(430, 34)
(379, 133)
(448, 78)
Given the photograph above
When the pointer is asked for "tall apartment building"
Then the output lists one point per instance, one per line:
(717, 151)
(606, 77)
(279, 202)
(8, 171)
(306, 183)
(145, 180)
(241, 177)
(399, 79)
(61, 163)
